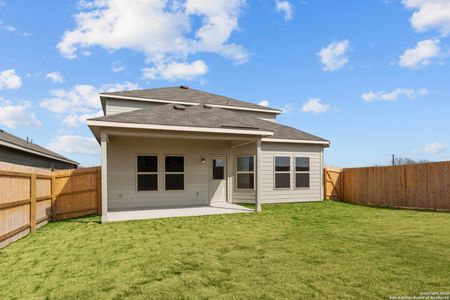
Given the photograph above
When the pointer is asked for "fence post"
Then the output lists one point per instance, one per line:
(325, 184)
(53, 206)
(33, 203)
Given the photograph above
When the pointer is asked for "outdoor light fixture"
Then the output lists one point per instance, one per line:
(203, 161)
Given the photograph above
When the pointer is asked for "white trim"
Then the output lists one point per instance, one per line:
(258, 176)
(275, 172)
(275, 140)
(104, 176)
(11, 145)
(147, 173)
(273, 111)
(177, 128)
(174, 173)
(237, 172)
(302, 172)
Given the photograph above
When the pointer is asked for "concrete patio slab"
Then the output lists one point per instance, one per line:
(142, 214)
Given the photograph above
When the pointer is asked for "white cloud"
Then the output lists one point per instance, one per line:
(174, 71)
(166, 31)
(264, 103)
(393, 95)
(10, 80)
(287, 108)
(421, 55)
(434, 148)
(81, 102)
(73, 144)
(11, 28)
(316, 106)
(75, 120)
(430, 14)
(17, 115)
(285, 7)
(55, 77)
(334, 56)
(117, 66)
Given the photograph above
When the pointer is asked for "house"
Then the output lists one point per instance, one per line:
(24, 152)
(182, 147)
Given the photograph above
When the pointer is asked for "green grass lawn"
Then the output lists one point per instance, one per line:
(324, 250)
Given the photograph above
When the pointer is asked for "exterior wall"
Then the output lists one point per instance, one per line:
(18, 157)
(268, 192)
(122, 177)
(271, 195)
(115, 106)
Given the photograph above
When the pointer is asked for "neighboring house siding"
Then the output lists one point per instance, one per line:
(18, 157)
(122, 185)
(116, 106)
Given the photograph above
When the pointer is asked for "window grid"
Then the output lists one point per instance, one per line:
(281, 172)
(302, 172)
(245, 172)
(173, 173)
(147, 173)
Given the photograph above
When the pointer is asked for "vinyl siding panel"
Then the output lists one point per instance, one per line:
(122, 176)
(18, 157)
(271, 195)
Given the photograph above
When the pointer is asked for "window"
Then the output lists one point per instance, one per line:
(245, 172)
(218, 169)
(302, 172)
(282, 172)
(147, 173)
(174, 173)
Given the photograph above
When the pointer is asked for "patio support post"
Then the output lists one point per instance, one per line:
(258, 175)
(104, 193)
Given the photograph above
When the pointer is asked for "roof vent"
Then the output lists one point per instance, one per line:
(179, 107)
(207, 106)
(184, 87)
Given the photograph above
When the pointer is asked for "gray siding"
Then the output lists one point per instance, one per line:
(271, 195)
(115, 106)
(18, 157)
(122, 186)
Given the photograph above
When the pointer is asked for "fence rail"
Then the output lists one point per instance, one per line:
(421, 186)
(31, 197)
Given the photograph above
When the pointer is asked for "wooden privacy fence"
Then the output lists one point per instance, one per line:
(31, 197)
(421, 186)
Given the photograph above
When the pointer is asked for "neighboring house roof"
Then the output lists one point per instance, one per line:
(205, 116)
(186, 95)
(12, 141)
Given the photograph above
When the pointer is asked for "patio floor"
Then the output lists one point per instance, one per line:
(142, 214)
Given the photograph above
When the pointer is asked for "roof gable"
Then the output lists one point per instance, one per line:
(187, 95)
(21, 144)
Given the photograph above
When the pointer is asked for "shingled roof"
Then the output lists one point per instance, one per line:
(188, 95)
(10, 139)
(207, 117)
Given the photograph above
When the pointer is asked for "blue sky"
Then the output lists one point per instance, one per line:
(371, 76)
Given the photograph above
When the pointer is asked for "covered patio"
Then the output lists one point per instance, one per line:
(171, 212)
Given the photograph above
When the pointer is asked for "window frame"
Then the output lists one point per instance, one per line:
(302, 172)
(275, 172)
(147, 173)
(174, 173)
(245, 172)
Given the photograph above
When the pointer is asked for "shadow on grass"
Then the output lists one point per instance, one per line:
(83, 220)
